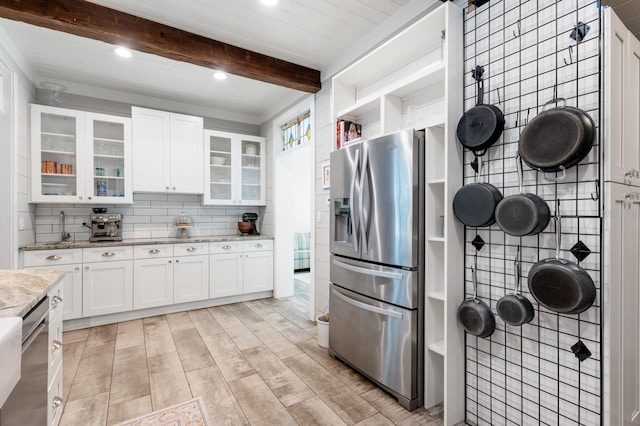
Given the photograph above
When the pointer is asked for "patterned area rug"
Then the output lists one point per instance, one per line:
(190, 413)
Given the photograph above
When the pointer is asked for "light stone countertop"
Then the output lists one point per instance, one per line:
(142, 241)
(22, 289)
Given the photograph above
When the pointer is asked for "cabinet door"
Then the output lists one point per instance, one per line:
(71, 289)
(187, 171)
(153, 280)
(151, 150)
(258, 271)
(252, 171)
(219, 176)
(108, 178)
(107, 287)
(622, 299)
(225, 275)
(190, 278)
(57, 155)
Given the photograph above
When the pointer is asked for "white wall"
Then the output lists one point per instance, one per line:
(301, 174)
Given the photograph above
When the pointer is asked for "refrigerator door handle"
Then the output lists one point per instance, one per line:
(363, 227)
(383, 274)
(368, 307)
(351, 213)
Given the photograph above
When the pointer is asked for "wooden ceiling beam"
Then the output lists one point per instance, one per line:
(86, 19)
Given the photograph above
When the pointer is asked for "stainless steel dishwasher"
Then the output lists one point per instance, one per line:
(27, 404)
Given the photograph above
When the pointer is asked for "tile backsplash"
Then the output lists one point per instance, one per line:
(150, 216)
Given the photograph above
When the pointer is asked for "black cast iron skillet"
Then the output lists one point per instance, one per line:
(558, 138)
(475, 203)
(482, 125)
(474, 315)
(522, 214)
(515, 309)
(560, 285)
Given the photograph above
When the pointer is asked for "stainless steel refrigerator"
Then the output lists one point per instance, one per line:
(377, 262)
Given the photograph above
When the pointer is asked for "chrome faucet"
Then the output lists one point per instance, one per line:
(65, 235)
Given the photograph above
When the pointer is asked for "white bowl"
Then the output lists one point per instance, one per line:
(218, 161)
(251, 150)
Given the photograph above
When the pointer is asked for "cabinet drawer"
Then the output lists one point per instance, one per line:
(194, 249)
(52, 257)
(153, 251)
(54, 399)
(258, 245)
(225, 247)
(107, 253)
(55, 346)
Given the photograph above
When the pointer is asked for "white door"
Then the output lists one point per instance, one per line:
(71, 289)
(622, 298)
(187, 158)
(258, 271)
(153, 280)
(107, 287)
(190, 278)
(151, 151)
(225, 275)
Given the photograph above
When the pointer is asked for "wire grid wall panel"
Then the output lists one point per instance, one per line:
(529, 375)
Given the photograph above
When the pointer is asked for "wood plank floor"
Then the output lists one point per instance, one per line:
(253, 363)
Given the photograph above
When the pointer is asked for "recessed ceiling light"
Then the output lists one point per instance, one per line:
(269, 2)
(219, 75)
(123, 52)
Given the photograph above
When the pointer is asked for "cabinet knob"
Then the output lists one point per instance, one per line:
(89, 198)
(226, 247)
(246, 255)
(177, 261)
(258, 245)
(174, 188)
(56, 300)
(56, 345)
(166, 187)
(192, 249)
(86, 268)
(57, 402)
(80, 198)
(54, 257)
(77, 269)
(154, 251)
(108, 254)
(169, 261)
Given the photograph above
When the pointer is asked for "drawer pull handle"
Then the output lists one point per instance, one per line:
(56, 300)
(227, 247)
(56, 345)
(57, 402)
(108, 254)
(258, 245)
(154, 251)
(191, 249)
(54, 257)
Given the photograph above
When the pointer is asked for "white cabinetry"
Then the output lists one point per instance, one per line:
(241, 267)
(414, 80)
(621, 86)
(167, 152)
(69, 262)
(234, 170)
(54, 366)
(107, 278)
(79, 157)
(168, 274)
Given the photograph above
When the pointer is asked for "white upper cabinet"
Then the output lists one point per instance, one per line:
(235, 169)
(167, 152)
(79, 157)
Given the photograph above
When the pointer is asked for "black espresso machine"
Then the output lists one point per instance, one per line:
(253, 218)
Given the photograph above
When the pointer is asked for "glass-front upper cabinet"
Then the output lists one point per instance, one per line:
(235, 169)
(79, 157)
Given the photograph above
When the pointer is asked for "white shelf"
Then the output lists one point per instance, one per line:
(110, 177)
(220, 152)
(67, 153)
(438, 295)
(220, 165)
(436, 239)
(436, 181)
(119, 157)
(58, 135)
(60, 175)
(437, 347)
(108, 140)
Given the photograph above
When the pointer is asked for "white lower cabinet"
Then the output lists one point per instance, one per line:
(167, 274)
(72, 289)
(54, 366)
(241, 267)
(107, 287)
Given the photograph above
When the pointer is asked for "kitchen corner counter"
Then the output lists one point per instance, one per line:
(142, 241)
(21, 290)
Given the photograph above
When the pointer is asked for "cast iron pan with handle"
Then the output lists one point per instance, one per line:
(522, 214)
(475, 203)
(481, 126)
(560, 285)
(474, 315)
(515, 309)
(558, 138)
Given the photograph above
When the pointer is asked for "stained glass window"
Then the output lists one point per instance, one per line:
(296, 132)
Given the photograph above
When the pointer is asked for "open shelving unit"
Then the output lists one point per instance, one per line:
(414, 80)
